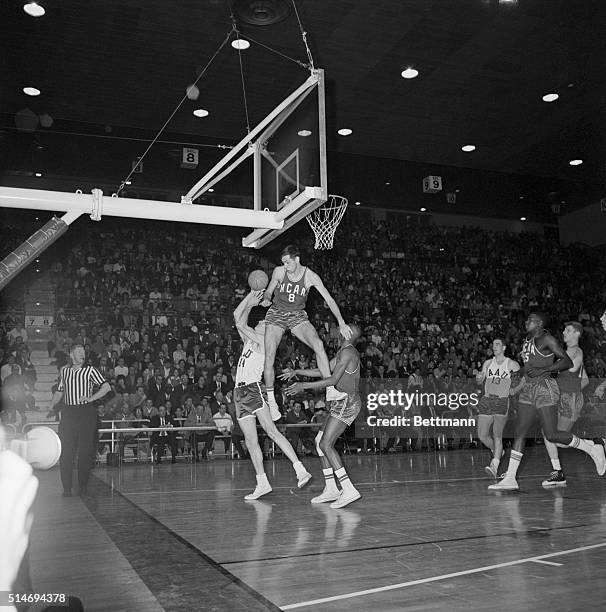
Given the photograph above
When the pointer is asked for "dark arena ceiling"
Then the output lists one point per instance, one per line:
(111, 73)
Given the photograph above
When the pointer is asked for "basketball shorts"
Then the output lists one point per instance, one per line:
(286, 319)
(541, 393)
(249, 399)
(346, 409)
(570, 405)
(493, 405)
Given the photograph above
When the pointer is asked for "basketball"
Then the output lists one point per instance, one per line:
(43, 448)
(258, 280)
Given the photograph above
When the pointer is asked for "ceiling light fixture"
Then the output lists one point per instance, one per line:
(575, 162)
(31, 91)
(38, 174)
(211, 190)
(304, 133)
(409, 73)
(33, 9)
(468, 148)
(240, 44)
(344, 132)
(550, 97)
(422, 209)
(200, 112)
(522, 218)
(357, 203)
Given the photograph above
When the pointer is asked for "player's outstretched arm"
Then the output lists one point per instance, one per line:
(338, 370)
(241, 317)
(316, 281)
(289, 373)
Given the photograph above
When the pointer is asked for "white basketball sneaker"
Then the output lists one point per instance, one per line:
(346, 498)
(303, 478)
(509, 483)
(328, 495)
(260, 490)
(599, 458)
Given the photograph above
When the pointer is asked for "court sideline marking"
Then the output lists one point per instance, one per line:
(401, 585)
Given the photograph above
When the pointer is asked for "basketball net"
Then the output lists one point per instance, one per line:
(325, 219)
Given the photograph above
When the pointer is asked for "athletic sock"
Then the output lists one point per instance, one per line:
(514, 463)
(262, 480)
(271, 397)
(299, 468)
(585, 445)
(555, 464)
(329, 477)
(344, 481)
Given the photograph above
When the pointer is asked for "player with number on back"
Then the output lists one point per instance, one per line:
(250, 398)
(290, 285)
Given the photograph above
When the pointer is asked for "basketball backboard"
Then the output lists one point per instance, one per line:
(286, 155)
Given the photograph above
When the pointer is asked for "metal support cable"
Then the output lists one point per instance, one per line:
(151, 144)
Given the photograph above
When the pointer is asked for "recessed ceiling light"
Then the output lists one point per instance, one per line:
(575, 162)
(550, 97)
(38, 174)
(128, 182)
(33, 9)
(304, 133)
(387, 183)
(409, 73)
(211, 190)
(357, 203)
(31, 91)
(522, 218)
(422, 209)
(240, 44)
(200, 112)
(344, 132)
(563, 202)
(468, 148)
(521, 197)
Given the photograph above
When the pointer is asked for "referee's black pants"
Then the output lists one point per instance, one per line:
(77, 432)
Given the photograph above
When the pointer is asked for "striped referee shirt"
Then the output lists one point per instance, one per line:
(77, 385)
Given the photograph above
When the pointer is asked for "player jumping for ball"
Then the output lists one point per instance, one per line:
(289, 286)
(342, 412)
(542, 355)
(250, 397)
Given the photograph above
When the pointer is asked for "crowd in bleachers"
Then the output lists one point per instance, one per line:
(153, 307)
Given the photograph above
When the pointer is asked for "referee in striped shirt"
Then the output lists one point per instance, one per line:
(78, 417)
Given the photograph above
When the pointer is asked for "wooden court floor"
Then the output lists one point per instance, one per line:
(427, 535)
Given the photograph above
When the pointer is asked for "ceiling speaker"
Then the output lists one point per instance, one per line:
(262, 12)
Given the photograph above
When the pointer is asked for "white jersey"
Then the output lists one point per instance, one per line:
(250, 364)
(498, 377)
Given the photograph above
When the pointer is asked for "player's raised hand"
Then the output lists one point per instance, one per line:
(255, 296)
(287, 374)
(345, 330)
(294, 389)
